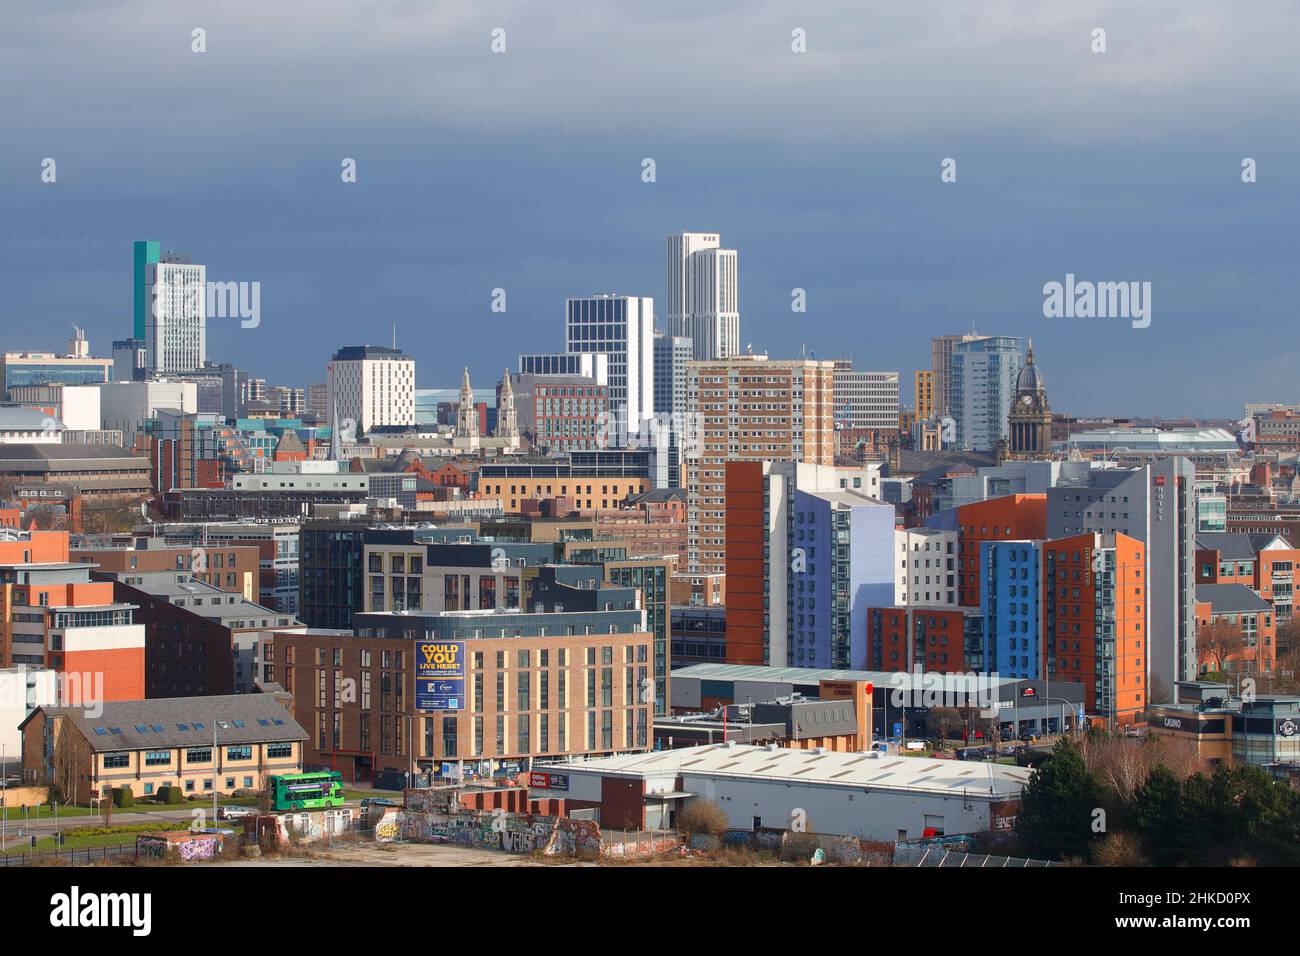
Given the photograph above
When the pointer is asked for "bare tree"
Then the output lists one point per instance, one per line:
(70, 757)
(46, 519)
(1119, 764)
(110, 514)
(1179, 755)
(1217, 643)
(943, 721)
(1158, 691)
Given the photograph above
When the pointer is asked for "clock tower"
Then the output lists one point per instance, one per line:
(1030, 419)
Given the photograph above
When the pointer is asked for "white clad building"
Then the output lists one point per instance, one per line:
(126, 406)
(865, 399)
(925, 567)
(371, 385)
(176, 315)
(622, 327)
(592, 365)
(703, 294)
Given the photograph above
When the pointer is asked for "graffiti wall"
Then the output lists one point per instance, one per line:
(388, 828)
(499, 830)
(190, 848)
(646, 845)
(272, 830)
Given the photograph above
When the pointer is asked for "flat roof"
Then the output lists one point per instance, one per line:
(870, 771)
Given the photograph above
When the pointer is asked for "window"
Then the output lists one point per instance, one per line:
(239, 753)
(157, 758)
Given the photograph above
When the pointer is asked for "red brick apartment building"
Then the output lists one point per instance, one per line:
(1265, 563)
(932, 639)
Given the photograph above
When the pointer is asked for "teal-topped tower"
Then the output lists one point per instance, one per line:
(147, 253)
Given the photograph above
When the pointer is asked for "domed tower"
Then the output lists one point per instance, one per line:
(1030, 418)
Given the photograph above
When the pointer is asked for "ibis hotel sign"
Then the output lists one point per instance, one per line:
(440, 675)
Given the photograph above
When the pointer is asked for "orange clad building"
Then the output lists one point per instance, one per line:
(1010, 518)
(1094, 614)
(54, 617)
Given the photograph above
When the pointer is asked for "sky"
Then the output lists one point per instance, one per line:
(523, 170)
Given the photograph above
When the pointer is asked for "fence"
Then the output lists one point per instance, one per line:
(84, 855)
(941, 856)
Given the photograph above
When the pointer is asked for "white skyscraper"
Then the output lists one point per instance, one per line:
(372, 385)
(175, 323)
(621, 326)
(703, 294)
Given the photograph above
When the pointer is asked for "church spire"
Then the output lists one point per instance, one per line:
(466, 416)
(507, 422)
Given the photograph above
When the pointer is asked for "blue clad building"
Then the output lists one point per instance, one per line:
(1010, 597)
(841, 546)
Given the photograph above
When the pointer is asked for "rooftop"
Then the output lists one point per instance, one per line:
(184, 722)
(90, 455)
(869, 771)
(1231, 599)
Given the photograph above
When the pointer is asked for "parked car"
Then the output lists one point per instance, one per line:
(233, 812)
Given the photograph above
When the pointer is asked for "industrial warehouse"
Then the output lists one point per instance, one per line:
(872, 796)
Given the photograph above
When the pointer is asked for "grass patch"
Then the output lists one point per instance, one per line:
(89, 837)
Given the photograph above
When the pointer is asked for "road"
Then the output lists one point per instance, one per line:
(180, 818)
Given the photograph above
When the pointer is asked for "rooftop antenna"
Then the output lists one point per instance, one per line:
(394, 335)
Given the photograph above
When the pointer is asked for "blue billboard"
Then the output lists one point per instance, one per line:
(440, 675)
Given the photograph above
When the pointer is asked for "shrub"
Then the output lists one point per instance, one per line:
(1119, 849)
(122, 797)
(702, 816)
(172, 795)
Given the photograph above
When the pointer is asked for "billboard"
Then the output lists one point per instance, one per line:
(538, 780)
(440, 675)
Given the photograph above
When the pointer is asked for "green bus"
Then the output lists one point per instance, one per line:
(306, 791)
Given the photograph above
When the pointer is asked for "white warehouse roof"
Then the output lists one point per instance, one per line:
(870, 771)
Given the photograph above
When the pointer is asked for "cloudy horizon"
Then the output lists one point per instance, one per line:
(522, 170)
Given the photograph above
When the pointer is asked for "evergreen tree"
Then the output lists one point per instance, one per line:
(1056, 808)
(1158, 816)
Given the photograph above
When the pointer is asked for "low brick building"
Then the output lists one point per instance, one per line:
(145, 745)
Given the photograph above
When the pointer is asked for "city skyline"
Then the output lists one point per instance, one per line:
(1109, 180)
